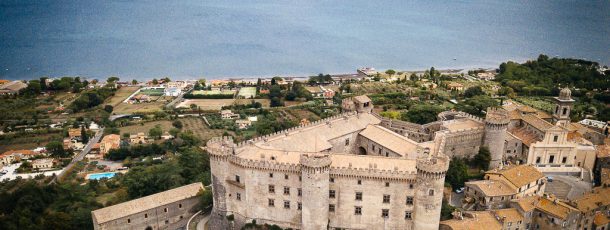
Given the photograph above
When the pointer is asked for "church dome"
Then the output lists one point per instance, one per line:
(565, 94)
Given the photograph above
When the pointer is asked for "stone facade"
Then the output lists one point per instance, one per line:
(269, 181)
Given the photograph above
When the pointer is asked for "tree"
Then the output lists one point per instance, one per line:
(155, 81)
(166, 79)
(56, 149)
(134, 82)
(84, 135)
(477, 105)
(457, 173)
(414, 77)
(421, 113)
(112, 79)
(177, 124)
(390, 72)
(207, 199)
(231, 84)
(482, 159)
(156, 132)
(108, 108)
(473, 91)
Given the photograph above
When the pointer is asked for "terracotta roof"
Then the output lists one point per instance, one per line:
(536, 122)
(527, 203)
(390, 140)
(519, 175)
(22, 152)
(493, 187)
(525, 136)
(124, 209)
(74, 133)
(509, 215)
(600, 219)
(13, 86)
(590, 201)
(482, 220)
(554, 207)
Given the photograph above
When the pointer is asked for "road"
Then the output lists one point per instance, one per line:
(176, 100)
(82, 154)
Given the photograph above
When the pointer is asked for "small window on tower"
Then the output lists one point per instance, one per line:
(555, 138)
(431, 192)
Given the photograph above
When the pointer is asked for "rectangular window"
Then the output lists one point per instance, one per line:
(166, 221)
(347, 142)
(331, 193)
(358, 210)
(237, 178)
(359, 182)
(373, 147)
(332, 180)
(179, 205)
(409, 200)
(386, 198)
(407, 215)
(128, 221)
(387, 184)
(358, 195)
(555, 138)
(286, 190)
(410, 186)
(564, 160)
(385, 213)
(299, 206)
(271, 188)
(165, 209)
(537, 160)
(299, 192)
(238, 196)
(551, 159)
(287, 204)
(145, 215)
(270, 175)
(271, 203)
(331, 208)
(286, 176)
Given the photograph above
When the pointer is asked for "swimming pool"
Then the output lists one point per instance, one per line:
(98, 176)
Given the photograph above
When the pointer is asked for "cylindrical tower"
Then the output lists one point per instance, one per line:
(496, 125)
(219, 149)
(315, 169)
(431, 172)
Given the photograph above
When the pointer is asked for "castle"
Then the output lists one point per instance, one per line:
(359, 170)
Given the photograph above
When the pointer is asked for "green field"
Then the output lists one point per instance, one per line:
(213, 92)
(247, 92)
(152, 92)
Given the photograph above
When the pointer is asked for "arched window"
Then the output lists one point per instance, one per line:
(565, 111)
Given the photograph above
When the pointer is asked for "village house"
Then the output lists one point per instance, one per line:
(42, 164)
(12, 88)
(109, 142)
(455, 86)
(500, 186)
(243, 123)
(170, 209)
(487, 76)
(139, 138)
(228, 114)
(75, 134)
(12, 156)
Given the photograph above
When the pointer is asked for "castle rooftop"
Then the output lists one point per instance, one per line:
(493, 187)
(519, 175)
(461, 124)
(391, 140)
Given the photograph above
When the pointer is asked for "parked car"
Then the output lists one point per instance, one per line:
(549, 178)
(460, 190)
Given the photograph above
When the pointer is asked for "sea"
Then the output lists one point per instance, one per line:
(185, 39)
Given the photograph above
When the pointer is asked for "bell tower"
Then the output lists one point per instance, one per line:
(563, 107)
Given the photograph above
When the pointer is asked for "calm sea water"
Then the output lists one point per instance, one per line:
(227, 38)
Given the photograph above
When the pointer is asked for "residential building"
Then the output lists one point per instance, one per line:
(455, 86)
(243, 123)
(109, 142)
(170, 209)
(228, 114)
(12, 88)
(42, 164)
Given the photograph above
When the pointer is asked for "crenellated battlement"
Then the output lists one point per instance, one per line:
(432, 167)
(315, 160)
(496, 117)
(285, 132)
(220, 146)
(454, 115)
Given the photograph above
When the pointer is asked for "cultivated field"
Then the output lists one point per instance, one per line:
(134, 129)
(200, 129)
(121, 95)
(265, 102)
(214, 92)
(126, 108)
(206, 104)
(152, 92)
(247, 92)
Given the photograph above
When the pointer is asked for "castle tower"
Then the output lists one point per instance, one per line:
(220, 149)
(496, 125)
(428, 200)
(563, 107)
(315, 169)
